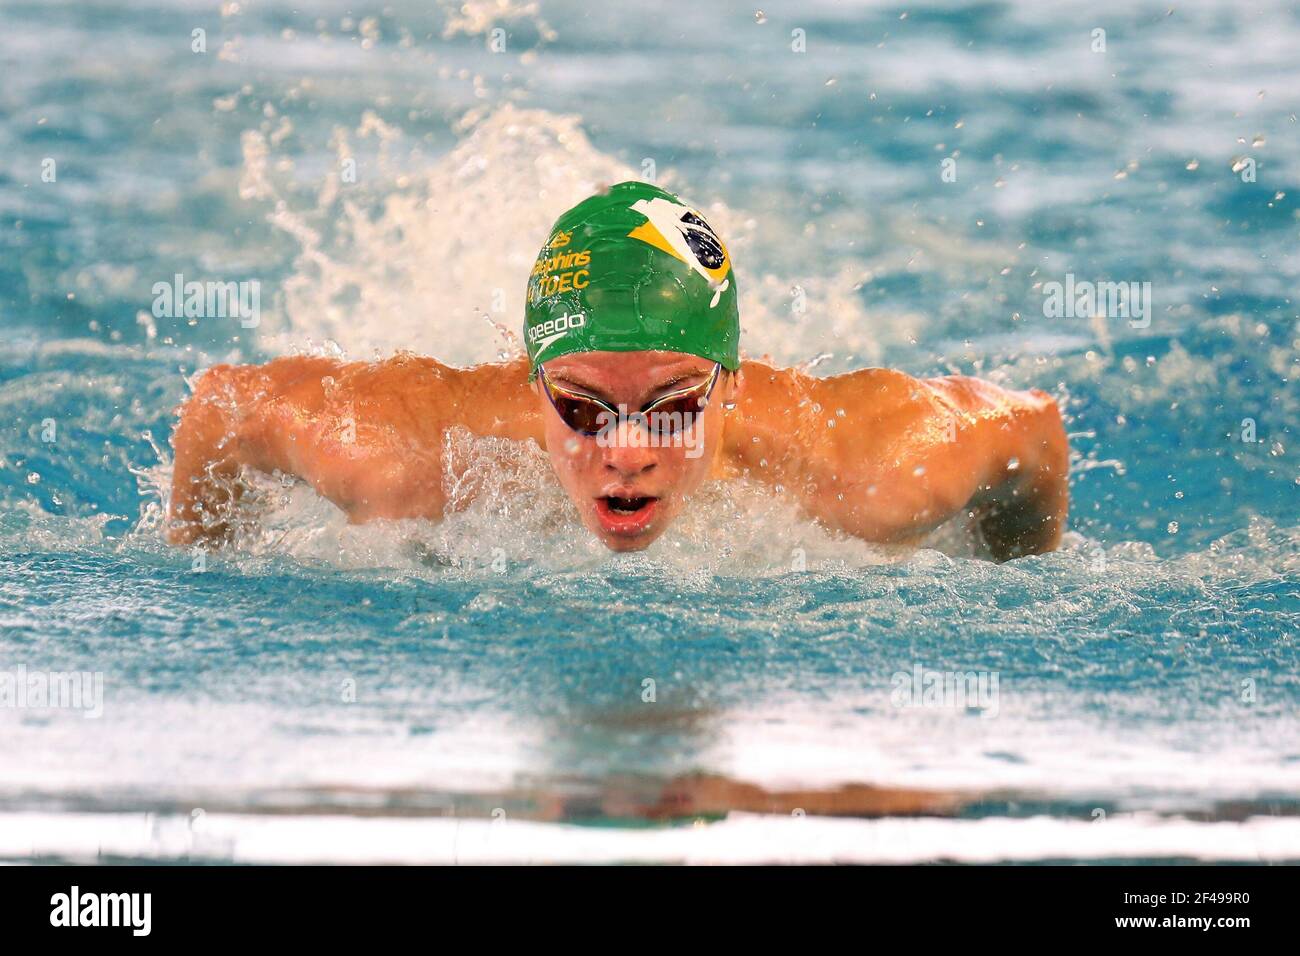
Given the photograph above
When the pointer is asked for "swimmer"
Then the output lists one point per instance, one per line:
(634, 387)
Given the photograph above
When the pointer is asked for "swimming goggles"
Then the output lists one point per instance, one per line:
(672, 412)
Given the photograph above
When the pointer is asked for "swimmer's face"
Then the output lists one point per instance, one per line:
(627, 490)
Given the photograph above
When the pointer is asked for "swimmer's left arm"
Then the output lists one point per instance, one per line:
(888, 458)
(1012, 448)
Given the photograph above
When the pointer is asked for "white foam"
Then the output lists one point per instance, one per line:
(436, 259)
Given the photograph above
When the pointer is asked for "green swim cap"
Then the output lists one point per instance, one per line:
(628, 270)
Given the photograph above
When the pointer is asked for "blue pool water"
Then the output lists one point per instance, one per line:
(477, 690)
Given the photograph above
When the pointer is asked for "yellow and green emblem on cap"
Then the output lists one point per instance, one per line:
(628, 270)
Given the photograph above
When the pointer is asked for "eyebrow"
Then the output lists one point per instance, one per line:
(563, 377)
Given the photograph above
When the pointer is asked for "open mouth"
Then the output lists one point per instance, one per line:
(620, 515)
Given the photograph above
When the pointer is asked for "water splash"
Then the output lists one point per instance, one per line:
(417, 259)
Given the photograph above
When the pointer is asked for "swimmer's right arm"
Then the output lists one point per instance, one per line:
(367, 436)
(226, 426)
(350, 430)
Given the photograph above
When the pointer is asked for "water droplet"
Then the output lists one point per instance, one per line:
(1194, 164)
(1173, 527)
(33, 478)
(1258, 141)
(760, 17)
(1013, 464)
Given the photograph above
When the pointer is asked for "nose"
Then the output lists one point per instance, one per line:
(628, 456)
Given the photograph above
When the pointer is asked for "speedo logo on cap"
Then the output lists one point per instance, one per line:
(545, 334)
(683, 234)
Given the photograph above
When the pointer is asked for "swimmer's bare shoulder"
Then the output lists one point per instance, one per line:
(365, 435)
(888, 457)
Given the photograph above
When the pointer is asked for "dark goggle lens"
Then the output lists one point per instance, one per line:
(580, 414)
(675, 414)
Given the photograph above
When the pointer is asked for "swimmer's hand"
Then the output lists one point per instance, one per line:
(1023, 501)
(1012, 444)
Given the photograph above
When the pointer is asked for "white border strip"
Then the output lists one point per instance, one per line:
(740, 838)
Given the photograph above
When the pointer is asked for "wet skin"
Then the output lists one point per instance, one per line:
(902, 456)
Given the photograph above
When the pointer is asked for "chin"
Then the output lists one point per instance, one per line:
(627, 542)
(621, 544)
